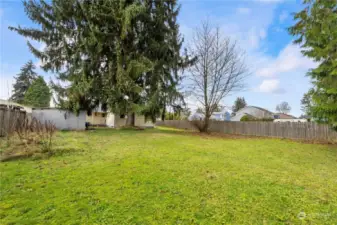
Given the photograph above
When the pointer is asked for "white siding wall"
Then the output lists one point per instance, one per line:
(62, 119)
(119, 122)
(96, 118)
(140, 122)
(110, 120)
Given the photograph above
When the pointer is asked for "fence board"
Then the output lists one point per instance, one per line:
(304, 131)
(9, 117)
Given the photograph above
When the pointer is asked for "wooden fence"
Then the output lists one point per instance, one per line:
(9, 117)
(304, 131)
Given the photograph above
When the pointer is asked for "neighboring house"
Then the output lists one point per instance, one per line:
(219, 116)
(196, 116)
(63, 119)
(102, 118)
(252, 111)
(283, 116)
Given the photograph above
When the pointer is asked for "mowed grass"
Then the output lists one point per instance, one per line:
(162, 176)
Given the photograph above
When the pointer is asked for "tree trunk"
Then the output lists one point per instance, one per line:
(163, 113)
(130, 120)
(206, 124)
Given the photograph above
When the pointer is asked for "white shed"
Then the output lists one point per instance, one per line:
(63, 119)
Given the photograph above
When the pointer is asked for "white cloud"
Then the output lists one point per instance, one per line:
(192, 103)
(255, 36)
(244, 10)
(283, 16)
(270, 86)
(289, 60)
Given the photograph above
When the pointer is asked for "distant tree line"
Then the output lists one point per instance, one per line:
(29, 88)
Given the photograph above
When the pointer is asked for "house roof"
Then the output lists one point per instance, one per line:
(285, 116)
(249, 115)
(7, 103)
(251, 106)
(53, 108)
(263, 109)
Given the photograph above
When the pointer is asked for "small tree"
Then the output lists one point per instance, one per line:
(239, 104)
(23, 81)
(218, 71)
(306, 103)
(283, 107)
(38, 94)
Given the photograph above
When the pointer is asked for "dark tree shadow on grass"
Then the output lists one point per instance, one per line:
(38, 155)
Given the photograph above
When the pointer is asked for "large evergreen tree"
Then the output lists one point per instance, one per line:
(23, 80)
(316, 31)
(121, 54)
(38, 94)
(162, 44)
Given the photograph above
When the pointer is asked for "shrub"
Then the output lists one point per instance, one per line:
(245, 118)
(200, 125)
(266, 119)
(36, 132)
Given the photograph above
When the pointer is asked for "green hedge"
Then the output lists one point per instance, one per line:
(247, 118)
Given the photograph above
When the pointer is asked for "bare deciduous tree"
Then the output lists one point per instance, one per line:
(283, 107)
(219, 70)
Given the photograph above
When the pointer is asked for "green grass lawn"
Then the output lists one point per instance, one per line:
(163, 176)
